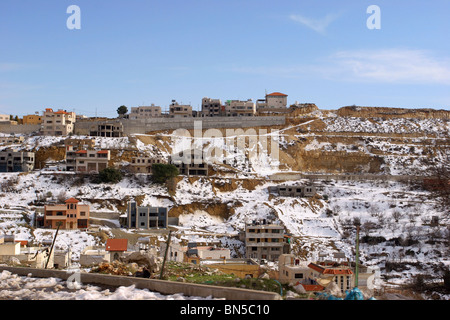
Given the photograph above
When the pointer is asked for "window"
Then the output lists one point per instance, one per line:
(298, 276)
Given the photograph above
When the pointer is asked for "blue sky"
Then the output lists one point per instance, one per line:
(139, 52)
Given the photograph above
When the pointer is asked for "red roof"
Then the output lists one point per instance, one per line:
(312, 287)
(82, 151)
(72, 200)
(116, 245)
(277, 94)
(103, 151)
(324, 270)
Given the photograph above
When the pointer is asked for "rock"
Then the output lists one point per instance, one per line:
(146, 259)
(264, 276)
(181, 279)
(299, 289)
(14, 261)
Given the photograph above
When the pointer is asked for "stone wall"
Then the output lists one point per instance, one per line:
(19, 128)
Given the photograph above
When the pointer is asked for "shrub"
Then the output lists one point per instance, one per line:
(163, 172)
(110, 175)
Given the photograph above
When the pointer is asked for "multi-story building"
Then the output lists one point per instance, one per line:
(57, 123)
(5, 117)
(143, 164)
(86, 161)
(179, 111)
(274, 103)
(146, 217)
(212, 108)
(145, 112)
(12, 160)
(12, 139)
(240, 108)
(265, 240)
(113, 129)
(70, 215)
(190, 164)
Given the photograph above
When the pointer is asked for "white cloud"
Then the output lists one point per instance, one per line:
(318, 25)
(390, 65)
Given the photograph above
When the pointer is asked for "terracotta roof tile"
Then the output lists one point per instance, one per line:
(116, 245)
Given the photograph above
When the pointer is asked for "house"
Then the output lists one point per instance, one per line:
(179, 111)
(86, 160)
(116, 248)
(32, 119)
(316, 276)
(295, 190)
(145, 112)
(239, 108)
(265, 240)
(12, 160)
(94, 255)
(146, 217)
(70, 216)
(35, 257)
(274, 103)
(12, 139)
(143, 164)
(192, 253)
(190, 162)
(57, 123)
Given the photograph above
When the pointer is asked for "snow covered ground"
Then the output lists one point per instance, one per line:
(14, 287)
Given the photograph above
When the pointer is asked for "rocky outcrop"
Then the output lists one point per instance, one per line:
(382, 112)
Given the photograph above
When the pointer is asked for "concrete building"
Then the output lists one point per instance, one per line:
(4, 140)
(294, 191)
(86, 161)
(190, 162)
(179, 111)
(57, 123)
(145, 112)
(35, 257)
(143, 164)
(274, 103)
(212, 108)
(12, 160)
(70, 216)
(265, 240)
(239, 108)
(94, 255)
(111, 129)
(32, 119)
(5, 118)
(146, 217)
(116, 248)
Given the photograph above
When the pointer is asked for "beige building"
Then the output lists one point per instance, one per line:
(143, 164)
(35, 257)
(112, 129)
(57, 123)
(265, 240)
(71, 216)
(32, 119)
(86, 160)
(190, 164)
(179, 111)
(12, 160)
(145, 112)
(5, 118)
(274, 103)
(212, 108)
(240, 108)
(11, 139)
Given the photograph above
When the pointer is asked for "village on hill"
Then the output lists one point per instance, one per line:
(286, 200)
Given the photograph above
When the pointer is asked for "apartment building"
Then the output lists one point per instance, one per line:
(146, 217)
(190, 162)
(143, 164)
(240, 108)
(179, 111)
(145, 112)
(212, 108)
(71, 215)
(265, 240)
(5, 118)
(57, 123)
(12, 160)
(85, 160)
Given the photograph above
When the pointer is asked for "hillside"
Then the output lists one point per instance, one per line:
(381, 155)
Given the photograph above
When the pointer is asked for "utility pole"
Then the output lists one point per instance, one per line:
(53, 243)
(165, 255)
(357, 256)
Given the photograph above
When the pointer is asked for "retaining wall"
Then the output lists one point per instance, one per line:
(161, 286)
(143, 126)
(19, 128)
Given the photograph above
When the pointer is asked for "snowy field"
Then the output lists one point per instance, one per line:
(14, 287)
